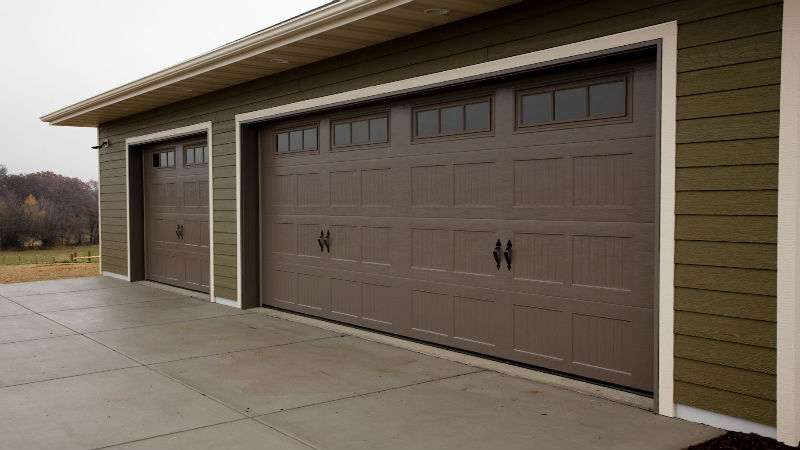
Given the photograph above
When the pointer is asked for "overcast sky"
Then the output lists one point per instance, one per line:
(58, 52)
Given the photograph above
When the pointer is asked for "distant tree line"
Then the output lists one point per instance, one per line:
(46, 209)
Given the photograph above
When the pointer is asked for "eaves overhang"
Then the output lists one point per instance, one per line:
(332, 29)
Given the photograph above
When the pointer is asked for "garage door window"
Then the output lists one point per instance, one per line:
(591, 100)
(296, 140)
(361, 131)
(195, 155)
(164, 159)
(453, 119)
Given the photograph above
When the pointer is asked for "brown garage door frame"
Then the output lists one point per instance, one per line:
(249, 182)
(135, 200)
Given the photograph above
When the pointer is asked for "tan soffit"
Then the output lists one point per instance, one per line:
(328, 31)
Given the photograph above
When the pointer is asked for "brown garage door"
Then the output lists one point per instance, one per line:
(176, 213)
(514, 220)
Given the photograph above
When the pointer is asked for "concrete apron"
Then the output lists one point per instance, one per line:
(129, 366)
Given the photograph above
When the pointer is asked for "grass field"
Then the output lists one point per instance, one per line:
(21, 273)
(53, 255)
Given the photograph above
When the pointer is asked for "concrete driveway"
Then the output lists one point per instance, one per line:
(98, 362)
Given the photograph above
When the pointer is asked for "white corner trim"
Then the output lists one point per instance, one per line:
(100, 206)
(226, 302)
(788, 286)
(723, 421)
(667, 33)
(666, 228)
(116, 275)
(163, 136)
(238, 172)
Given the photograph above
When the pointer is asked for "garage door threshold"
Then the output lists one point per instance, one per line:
(571, 384)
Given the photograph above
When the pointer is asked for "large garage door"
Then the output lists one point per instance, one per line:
(176, 213)
(514, 220)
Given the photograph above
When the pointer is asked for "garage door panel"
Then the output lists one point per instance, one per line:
(162, 230)
(176, 218)
(414, 228)
(586, 338)
(313, 291)
(352, 297)
(195, 230)
(471, 250)
(196, 271)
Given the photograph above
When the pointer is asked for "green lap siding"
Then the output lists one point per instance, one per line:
(727, 153)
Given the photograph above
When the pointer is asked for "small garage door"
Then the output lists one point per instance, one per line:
(176, 213)
(514, 220)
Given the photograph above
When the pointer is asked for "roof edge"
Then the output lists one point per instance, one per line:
(315, 21)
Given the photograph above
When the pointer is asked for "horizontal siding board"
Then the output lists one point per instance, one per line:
(114, 164)
(226, 293)
(735, 51)
(225, 216)
(727, 103)
(224, 205)
(224, 149)
(225, 271)
(221, 282)
(726, 153)
(224, 194)
(758, 229)
(731, 354)
(727, 279)
(725, 402)
(224, 160)
(224, 249)
(224, 138)
(728, 203)
(116, 197)
(113, 189)
(730, 26)
(724, 178)
(612, 18)
(113, 181)
(114, 237)
(730, 329)
(727, 254)
(730, 379)
(115, 268)
(224, 238)
(224, 171)
(118, 229)
(225, 227)
(725, 78)
(109, 212)
(224, 260)
(225, 183)
(743, 126)
(726, 304)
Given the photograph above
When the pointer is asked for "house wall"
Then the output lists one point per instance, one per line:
(728, 87)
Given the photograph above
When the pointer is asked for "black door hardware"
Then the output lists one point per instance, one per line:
(320, 239)
(496, 253)
(327, 241)
(179, 231)
(507, 255)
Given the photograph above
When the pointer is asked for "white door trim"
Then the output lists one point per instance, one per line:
(167, 135)
(788, 287)
(667, 34)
